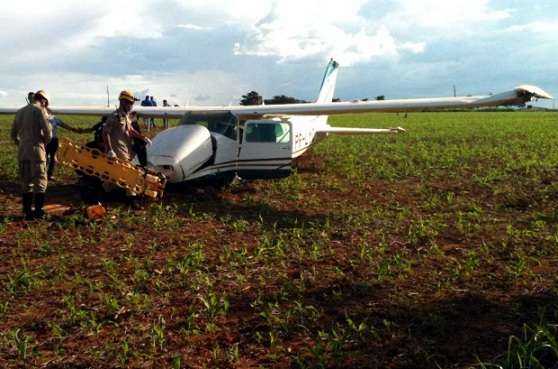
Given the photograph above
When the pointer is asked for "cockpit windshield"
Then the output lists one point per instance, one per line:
(222, 123)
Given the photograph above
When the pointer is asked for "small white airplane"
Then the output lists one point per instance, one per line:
(261, 141)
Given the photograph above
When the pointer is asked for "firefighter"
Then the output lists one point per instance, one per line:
(31, 132)
(118, 135)
(118, 131)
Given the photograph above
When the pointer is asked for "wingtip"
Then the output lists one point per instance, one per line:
(534, 91)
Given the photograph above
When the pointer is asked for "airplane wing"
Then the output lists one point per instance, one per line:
(518, 96)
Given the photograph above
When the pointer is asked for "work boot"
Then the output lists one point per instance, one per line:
(134, 202)
(27, 200)
(39, 202)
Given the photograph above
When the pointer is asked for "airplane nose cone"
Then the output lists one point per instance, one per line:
(179, 151)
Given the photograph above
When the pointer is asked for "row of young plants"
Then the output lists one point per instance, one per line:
(347, 266)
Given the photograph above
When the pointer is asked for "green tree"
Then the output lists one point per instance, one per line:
(251, 98)
(282, 99)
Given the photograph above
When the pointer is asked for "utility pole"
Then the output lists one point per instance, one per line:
(108, 97)
(454, 91)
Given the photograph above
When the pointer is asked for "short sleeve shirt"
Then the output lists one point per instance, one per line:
(32, 131)
(118, 127)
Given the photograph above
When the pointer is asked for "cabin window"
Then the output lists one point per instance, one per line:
(222, 123)
(268, 132)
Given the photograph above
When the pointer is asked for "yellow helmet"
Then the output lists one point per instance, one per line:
(42, 94)
(127, 95)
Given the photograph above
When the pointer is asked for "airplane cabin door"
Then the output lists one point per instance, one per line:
(265, 150)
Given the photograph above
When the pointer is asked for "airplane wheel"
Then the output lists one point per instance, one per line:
(90, 189)
(224, 180)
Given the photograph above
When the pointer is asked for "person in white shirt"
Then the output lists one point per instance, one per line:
(52, 147)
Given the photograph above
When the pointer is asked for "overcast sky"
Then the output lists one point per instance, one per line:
(213, 51)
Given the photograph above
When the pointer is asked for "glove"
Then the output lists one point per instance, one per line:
(111, 154)
(147, 141)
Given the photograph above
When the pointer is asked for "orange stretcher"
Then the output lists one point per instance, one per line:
(137, 181)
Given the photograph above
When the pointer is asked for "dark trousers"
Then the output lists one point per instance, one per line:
(51, 149)
(141, 151)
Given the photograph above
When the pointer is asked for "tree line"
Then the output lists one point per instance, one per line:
(254, 98)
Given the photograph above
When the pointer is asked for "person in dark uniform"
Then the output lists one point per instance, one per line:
(97, 130)
(139, 146)
(91, 186)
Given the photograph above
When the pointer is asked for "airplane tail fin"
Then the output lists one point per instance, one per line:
(328, 84)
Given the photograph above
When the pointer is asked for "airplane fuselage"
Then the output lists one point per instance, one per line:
(219, 145)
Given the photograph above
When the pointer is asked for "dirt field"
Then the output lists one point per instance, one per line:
(423, 250)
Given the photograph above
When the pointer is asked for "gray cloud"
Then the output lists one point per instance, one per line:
(188, 52)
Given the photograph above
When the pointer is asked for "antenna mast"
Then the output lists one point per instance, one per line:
(108, 97)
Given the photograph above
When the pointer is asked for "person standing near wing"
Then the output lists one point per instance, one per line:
(52, 146)
(31, 133)
(153, 103)
(148, 122)
(166, 118)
